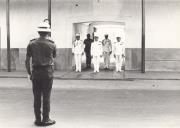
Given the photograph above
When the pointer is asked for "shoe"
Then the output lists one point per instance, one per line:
(48, 122)
(38, 122)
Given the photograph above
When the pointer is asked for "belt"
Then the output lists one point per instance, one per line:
(42, 66)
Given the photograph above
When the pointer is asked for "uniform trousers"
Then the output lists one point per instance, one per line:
(88, 59)
(96, 62)
(78, 58)
(42, 89)
(119, 61)
(106, 59)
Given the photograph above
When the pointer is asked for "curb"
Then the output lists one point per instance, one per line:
(117, 79)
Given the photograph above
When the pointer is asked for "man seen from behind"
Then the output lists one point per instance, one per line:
(42, 50)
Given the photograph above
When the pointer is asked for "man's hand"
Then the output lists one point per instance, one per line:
(110, 52)
(29, 77)
(114, 56)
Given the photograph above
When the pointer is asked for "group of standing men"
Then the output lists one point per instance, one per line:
(96, 49)
(39, 64)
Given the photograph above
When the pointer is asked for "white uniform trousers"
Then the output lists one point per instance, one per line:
(119, 61)
(96, 61)
(78, 62)
(106, 59)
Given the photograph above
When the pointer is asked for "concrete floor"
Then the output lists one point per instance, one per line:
(95, 104)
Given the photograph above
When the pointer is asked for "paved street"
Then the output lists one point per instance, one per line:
(95, 104)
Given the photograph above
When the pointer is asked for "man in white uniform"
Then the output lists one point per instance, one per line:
(119, 53)
(107, 50)
(96, 52)
(78, 49)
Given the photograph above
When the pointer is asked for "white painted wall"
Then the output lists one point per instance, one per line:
(3, 23)
(25, 16)
(91, 10)
(162, 24)
(162, 20)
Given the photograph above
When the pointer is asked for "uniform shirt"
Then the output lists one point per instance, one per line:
(42, 51)
(96, 48)
(87, 43)
(107, 46)
(78, 47)
(119, 48)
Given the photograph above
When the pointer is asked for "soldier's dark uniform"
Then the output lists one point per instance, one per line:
(87, 50)
(43, 52)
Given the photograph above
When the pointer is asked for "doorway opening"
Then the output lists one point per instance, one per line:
(113, 29)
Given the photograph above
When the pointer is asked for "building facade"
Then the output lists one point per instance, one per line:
(162, 19)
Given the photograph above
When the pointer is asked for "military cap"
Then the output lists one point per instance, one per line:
(96, 35)
(44, 27)
(77, 34)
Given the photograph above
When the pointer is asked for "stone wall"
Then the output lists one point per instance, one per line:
(162, 59)
(157, 59)
(63, 60)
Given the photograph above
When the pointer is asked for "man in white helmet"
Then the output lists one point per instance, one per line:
(78, 51)
(96, 52)
(107, 50)
(42, 50)
(119, 53)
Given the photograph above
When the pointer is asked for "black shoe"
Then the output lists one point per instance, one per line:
(38, 122)
(48, 122)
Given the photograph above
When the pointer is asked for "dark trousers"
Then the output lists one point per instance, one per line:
(42, 89)
(88, 59)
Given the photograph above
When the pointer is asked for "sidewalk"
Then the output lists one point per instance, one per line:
(102, 75)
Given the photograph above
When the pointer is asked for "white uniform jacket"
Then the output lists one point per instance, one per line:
(119, 48)
(78, 47)
(96, 48)
(107, 46)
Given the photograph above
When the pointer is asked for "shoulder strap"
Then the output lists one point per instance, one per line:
(50, 40)
(33, 39)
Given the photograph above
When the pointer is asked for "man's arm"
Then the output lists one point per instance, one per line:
(110, 45)
(54, 52)
(73, 47)
(123, 50)
(27, 61)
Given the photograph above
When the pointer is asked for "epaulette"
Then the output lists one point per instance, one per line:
(33, 39)
(51, 41)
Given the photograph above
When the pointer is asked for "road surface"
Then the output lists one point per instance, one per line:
(95, 104)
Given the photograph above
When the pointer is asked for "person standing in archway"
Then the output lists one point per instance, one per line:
(107, 50)
(119, 53)
(87, 50)
(96, 50)
(78, 51)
